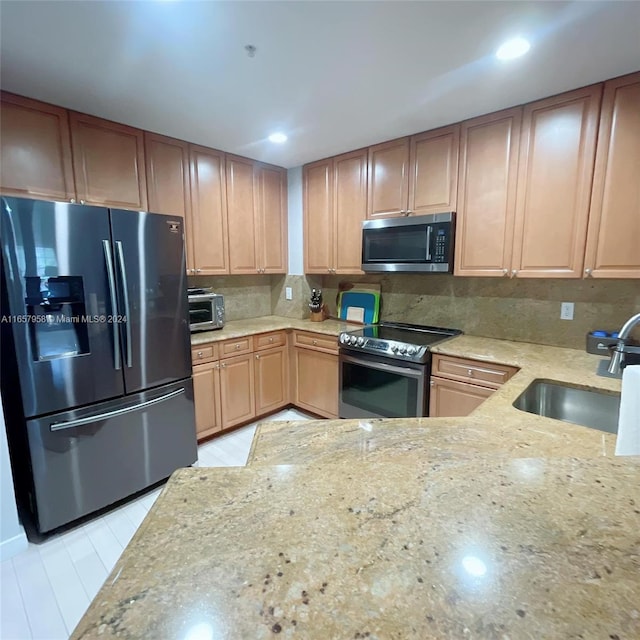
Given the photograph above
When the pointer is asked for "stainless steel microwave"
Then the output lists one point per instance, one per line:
(206, 310)
(414, 244)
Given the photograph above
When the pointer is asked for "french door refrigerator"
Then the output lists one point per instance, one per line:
(96, 361)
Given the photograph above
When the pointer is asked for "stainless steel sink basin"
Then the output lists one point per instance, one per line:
(589, 408)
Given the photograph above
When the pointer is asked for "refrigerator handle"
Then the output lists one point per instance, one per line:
(125, 298)
(111, 278)
(70, 424)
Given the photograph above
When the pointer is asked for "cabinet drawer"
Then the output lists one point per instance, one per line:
(268, 340)
(483, 373)
(236, 347)
(204, 353)
(316, 341)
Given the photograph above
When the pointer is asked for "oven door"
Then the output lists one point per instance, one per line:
(377, 387)
(201, 314)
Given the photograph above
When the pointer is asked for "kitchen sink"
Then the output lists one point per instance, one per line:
(586, 407)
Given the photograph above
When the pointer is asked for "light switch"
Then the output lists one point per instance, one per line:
(566, 311)
(288, 293)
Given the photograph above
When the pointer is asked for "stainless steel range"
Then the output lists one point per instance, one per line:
(385, 369)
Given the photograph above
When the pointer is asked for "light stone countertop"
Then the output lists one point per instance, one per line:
(241, 328)
(484, 548)
(500, 525)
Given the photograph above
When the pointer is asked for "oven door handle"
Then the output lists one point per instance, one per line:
(383, 366)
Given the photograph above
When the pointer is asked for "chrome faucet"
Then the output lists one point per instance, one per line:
(617, 353)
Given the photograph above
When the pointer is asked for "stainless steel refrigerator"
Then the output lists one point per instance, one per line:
(96, 360)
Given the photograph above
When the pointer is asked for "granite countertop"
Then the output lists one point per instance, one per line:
(483, 548)
(240, 328)
(499, 525)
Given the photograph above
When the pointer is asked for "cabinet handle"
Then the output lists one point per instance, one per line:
(223, 365)
(470, 373)
(72, 200)
(505, 272)
(588, 272)
(81, 201)
(271, 339)
(237, 346)
(514, 273)
(257, 357)
(408, 212)
(198, 270)
(432, 383)
(199, 354)
(315, 342)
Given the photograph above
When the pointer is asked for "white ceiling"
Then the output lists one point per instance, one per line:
(334, 76)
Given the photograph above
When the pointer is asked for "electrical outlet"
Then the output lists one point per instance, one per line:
(566, 311)
(288, 293)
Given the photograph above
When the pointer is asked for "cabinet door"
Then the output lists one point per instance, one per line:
(237, 390)
(388, 179)
(208, 211)
(316, 382)
(317, 186)
(454, 399)
(168, 181)
(272, 208)
(206, 393)
(272, 380)
(613, 245)
(433, 177)
(487, 194)
(557, 152)
(350, 210)
(241, 215)
(108, 162)
(35, 150)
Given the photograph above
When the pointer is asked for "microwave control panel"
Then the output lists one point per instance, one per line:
(440, 242)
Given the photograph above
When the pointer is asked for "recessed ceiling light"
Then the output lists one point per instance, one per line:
(278, 138)
(513, 48)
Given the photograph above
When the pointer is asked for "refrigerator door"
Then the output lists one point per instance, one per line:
(149, 256)
(59, 291)
(87, 459)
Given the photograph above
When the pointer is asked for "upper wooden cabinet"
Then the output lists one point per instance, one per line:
(241, 215)
(108, 162)
(35, 150)
(557, 150)
(388, 179)
(168, 182)
(613, 244)
(487, 194)
(433, 171)
(317, 190)
(271, 206)
(414, 176)
(335, 205)
(209, 211)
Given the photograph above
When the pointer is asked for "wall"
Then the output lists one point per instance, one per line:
(12, 536)
(511, 309)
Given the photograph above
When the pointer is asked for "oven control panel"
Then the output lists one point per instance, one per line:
(388, 348)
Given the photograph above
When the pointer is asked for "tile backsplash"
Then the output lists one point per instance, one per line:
(511, 309)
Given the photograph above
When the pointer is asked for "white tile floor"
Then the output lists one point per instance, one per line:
(45, 590)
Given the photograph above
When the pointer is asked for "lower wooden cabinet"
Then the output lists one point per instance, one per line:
(459, 385)
(237, 390)
(271, 380)
(316, 374)
(448, 398)
(206, 393)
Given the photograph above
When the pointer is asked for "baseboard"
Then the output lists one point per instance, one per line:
(13, 546)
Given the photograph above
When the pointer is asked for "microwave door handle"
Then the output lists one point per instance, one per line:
(429, 228)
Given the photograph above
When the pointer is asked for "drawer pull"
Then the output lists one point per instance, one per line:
(470, 372)
(199, 354)
(237, 346)
(271, 339)
(315, 342)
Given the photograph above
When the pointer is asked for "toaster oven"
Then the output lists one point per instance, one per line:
(206, 310)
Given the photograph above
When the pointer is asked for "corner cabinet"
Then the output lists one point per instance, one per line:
(209, 235)
(257, 216)
(108, 163)
(335, 205)
(613, 241)
(35, 150)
